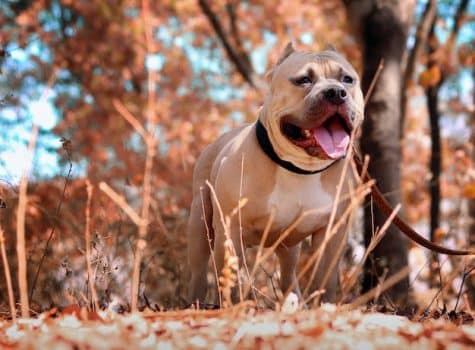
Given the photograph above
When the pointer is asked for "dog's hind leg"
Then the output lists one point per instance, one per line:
(200, 237)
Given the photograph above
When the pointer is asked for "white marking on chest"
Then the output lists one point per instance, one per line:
(295, 194)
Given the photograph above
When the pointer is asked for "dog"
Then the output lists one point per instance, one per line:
(288, 162)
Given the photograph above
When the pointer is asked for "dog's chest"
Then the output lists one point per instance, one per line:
(299, 195)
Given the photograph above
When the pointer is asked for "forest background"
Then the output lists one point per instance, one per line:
(124, 95)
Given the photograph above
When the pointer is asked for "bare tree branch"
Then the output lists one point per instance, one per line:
(422, 33)
(231, 9)
(240, 61)
(459, 15)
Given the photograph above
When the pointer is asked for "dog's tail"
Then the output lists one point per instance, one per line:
(387, 210)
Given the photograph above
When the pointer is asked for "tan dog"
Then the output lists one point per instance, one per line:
(290, 160)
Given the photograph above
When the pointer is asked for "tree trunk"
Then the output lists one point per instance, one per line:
(383, 33)
(471, 211)
(432, 94)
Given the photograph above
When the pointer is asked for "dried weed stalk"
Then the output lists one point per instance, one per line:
(259, 254)
(336, 202)
(375, 239)
(371, 294)
(243, 253)
(22, 201)
(359, 195)
(20, 227)
(8, 278)
(66, 145)
(91, 277)
(208, 236)
(230, 273)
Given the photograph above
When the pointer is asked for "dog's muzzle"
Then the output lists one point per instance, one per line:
(335, 95)
(325, 129)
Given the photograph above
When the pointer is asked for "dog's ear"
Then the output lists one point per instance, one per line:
(288, 50)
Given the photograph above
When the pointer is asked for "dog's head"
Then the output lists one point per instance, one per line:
(314, 103)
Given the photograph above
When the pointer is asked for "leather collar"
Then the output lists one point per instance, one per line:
(266, 146)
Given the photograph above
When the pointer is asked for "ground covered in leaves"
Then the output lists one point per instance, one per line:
(240, 327)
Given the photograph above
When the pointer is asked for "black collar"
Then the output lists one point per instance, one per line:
(266, 146)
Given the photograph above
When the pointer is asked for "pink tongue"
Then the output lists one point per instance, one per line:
(334, 140)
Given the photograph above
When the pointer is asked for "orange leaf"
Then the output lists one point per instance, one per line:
(430, 77)
(468, 190)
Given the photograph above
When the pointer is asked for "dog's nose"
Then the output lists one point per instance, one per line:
(335, 95)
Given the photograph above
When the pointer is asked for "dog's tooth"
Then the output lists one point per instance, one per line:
(306, 133)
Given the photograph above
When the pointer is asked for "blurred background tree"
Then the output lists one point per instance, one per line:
(382, 28)
(207, 59)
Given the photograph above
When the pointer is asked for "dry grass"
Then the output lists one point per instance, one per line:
(91, 276)
(8, 278)
(158, 276)
(20, 228)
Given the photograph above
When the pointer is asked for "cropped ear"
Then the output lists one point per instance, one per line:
(288, 50)
(268, 75)
(330, 47)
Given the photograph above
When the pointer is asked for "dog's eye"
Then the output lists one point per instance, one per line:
(301, 81)
(347, 79)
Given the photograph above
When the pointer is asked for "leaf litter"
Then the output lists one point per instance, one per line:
(238, 327)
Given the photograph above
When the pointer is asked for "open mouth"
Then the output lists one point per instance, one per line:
(329, 140)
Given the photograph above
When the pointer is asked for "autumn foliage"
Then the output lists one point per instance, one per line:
(96, 56)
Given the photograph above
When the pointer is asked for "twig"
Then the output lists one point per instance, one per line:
(8, 278)
(208, 236)
(465, 274)
(267, 298)
(270, 277)
(373, 82)
(124, 112)
(391, 281)
(53, 230)
(22, 201)
(257, 260)
(441, 283)
(335, 205)
(377, 237)
(448, 283)
(362, 193)
(148, 137)
(20, 246)
(421, 35)
(224, 286)
(244, 70)
(316, 256)
(240, 231)
(234, 28)
(458, 21)
(120, 201)
(150, 154)
(67, 147)
(90, 276)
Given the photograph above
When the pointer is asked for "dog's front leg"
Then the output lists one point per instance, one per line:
(326, 276)
(288, 259)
